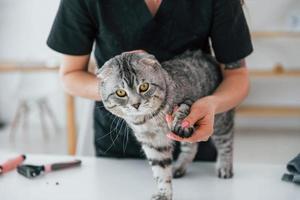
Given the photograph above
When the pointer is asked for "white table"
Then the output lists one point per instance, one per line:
(111, 179)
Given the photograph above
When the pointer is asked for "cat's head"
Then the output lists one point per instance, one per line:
(132, 84)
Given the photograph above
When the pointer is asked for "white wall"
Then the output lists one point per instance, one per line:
(273, 15)
(24, 27)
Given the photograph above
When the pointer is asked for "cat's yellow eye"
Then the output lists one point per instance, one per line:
(144, 87)
(121, 93)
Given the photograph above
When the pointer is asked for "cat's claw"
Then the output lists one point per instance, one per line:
(160, 196)
(178, 116)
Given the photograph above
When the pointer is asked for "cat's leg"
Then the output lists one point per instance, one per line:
(223, 139)
(160, 159)
(187, 150)
(178, 115)
(187, 154)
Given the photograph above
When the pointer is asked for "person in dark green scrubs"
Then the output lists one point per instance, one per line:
(163, 28)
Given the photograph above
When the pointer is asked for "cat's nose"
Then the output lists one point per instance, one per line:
(136, 105)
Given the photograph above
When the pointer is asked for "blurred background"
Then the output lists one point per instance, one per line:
(36, 116)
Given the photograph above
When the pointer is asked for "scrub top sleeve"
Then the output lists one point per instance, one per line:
(229, 34)
(73, 31)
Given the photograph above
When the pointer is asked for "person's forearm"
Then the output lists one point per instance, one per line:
(81, 83)
(76, 79)
(232, 91)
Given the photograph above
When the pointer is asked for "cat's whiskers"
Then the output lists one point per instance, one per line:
(113, 142)
(122, 123)
(127, 133)
(109, 133)
(124, 138)
(114, 128)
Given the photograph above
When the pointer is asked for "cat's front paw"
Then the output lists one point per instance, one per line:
(161, 196)
(225, 172)
(178, 116)
(181, 131)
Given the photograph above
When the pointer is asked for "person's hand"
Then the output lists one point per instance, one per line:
(201, 115)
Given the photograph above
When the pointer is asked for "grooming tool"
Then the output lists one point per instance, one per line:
(11, 164)
(31, 171)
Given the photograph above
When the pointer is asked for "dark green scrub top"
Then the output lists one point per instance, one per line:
(115, 26)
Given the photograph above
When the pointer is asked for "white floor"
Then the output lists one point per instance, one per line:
(256, 145)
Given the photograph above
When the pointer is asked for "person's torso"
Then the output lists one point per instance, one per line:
(128, 25)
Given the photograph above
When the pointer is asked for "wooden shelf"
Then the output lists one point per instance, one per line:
(273, 111)
(277, 71)
(5, 68)
(271, 73)
(272, 34)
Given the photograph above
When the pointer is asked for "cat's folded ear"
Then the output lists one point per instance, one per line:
(150, 62)
(103, 72)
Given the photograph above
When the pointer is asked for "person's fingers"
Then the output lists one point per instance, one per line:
(205, 139)
(202, 133)
(169, 117)
(204, 129)
(175, 108)
(191, 119)
(169, 120)
(197, 137)
(172, 136)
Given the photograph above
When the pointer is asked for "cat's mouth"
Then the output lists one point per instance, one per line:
(142, 118)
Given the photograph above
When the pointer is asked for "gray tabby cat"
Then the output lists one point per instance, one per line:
(139, 89)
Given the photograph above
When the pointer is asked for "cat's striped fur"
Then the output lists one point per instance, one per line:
(179, 81)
